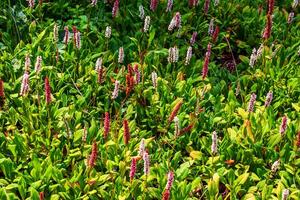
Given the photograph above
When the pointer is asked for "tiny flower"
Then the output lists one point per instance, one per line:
(285, 194)
(291, 17)
(153, 5)
(93, 156)
(121, 55)
(115, 8)
(94, 2)
(84, 135)
(193, 38)
(47, 90)
(206, 6)
(30, 3)
(214, 145)
(108, 32)
(38, 64)
(259, 51)
(27, 63)
(66, 37)
(188, 55)
(142, 12)
(173, 55)
(98, 64)
(269, 99)
(216, 3)
(55, 32)
(295, 3)
(193, 3)
(211, 27)
(126, 131)
(170, 180)
(169, 5)
(137, 74)
(25, 84)
(283, 125)
(142, 147)
(106, 125)
(132, 169)
(177, 127)
(116, 90)
(154, 79)
(206, 62)
(275, 166)
(146, 163)
(175, 111)
(175, 22)
(215, 34)
(146, 23)
(251, 102)
(253, 58)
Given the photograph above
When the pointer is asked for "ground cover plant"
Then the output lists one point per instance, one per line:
(156, 99)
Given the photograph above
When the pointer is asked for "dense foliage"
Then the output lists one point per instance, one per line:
(123, 99)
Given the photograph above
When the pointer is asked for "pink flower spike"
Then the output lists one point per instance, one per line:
(132, 169)
(47, 91)
(170, 180)
(283, 125)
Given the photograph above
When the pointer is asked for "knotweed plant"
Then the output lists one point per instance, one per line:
(115, 8)
(141, 12)
(175, 111)
(146, 24)
(206, 62)
(153, 4)
(67, 35)
(154, 79)
(275, 166)
(193, 38)
(189, 54)
(285, 194)
(38, 64)
(177, 126)
(116, 90)
(251, 102)
(146, 163)
(169, 5)
(214, 145)
(142, 147)
(283, 125)
(173, 55)
(108, 32)
(175, 22)
(106, 125)
(269, 98)
(25, 84)
(121, 55)
(132, 169)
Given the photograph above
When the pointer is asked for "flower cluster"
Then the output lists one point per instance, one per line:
(175, 22)
(173, 55)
